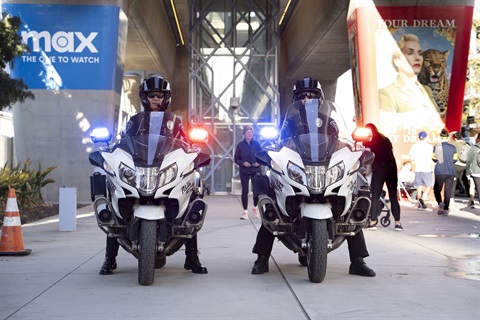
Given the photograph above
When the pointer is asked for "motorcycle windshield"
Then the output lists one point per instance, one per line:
(314, 129)
(151, 138)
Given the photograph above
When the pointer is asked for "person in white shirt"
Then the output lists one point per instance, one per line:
(406, 175)
(421, 156)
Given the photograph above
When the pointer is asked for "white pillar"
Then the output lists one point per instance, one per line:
(67, 209)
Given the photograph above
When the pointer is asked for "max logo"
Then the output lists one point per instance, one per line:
(61, 41)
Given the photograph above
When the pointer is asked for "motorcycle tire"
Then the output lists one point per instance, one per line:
(385, 221)
(302, 260)
(317, 249)
(148, 251)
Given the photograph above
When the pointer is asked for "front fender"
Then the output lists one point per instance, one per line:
(317, 211)
(150, 212)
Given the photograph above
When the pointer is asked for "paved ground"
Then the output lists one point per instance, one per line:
(431, 270)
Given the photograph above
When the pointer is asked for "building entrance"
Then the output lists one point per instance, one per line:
(234, 48)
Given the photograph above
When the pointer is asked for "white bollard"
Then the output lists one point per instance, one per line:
(67, 209)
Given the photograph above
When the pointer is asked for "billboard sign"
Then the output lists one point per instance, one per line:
(72, 47)
(409, 67)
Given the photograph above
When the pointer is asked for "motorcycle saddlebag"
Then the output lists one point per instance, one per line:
(261, 185)
(98, 185)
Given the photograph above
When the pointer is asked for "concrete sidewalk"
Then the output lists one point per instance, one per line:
(431, 270)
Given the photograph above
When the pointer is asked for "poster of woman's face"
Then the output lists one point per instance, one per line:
(412, 63)
(413, 75)
(421, 51)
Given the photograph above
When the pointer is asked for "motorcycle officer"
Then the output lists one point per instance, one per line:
(309, 88)
(155, 95)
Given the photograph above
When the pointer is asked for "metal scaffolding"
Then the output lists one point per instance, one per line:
(233, 77)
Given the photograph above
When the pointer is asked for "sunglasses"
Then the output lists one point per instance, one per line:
(308, 95)
(159, 95)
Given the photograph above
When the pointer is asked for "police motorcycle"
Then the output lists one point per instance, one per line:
(147, 191)
(314, 193)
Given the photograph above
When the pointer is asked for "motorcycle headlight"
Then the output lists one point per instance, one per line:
(335, 173)
(315, 177)
(127, 174)
(148, 179)
(296, 173)
(168, 175)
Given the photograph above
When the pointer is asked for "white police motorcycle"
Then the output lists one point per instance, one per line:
(314, 194)
(147, 192)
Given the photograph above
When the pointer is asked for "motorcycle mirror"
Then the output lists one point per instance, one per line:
(362, 134)
(100, 135)
(198, 135)
(263, 158)
(367, 158)
(202, 160)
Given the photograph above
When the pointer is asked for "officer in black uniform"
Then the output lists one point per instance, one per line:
(309, 88)
(155, 94)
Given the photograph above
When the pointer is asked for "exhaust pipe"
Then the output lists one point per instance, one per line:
(360, 209)
(271, 217)
(196, 213)
(192, 220)
(268, 210)
(103, 211)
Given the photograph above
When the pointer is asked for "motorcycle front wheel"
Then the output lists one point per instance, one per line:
(317, 241)
(148, 251)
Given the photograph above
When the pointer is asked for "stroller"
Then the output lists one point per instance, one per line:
(405, 188)
(383, 207)
(407, 191)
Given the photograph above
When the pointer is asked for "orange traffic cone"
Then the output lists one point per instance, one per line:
(11, 243)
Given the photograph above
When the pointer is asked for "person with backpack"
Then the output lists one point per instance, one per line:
(473, 166)
(445, 156)
(455, 139)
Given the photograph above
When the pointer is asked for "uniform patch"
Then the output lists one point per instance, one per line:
(170, 125)
(128, 126)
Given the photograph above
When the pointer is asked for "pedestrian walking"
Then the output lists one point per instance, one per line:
(421, 156)
(455, 139)
(444, 156)
(473, 168)
(248, 167)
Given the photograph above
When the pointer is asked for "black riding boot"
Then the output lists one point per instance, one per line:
(359, 267)
(111, 252)
(193, 263)
(191, 260)
(261, 265)
(109, 265)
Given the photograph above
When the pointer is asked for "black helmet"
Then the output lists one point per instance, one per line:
(309, 85)
(154, 83)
